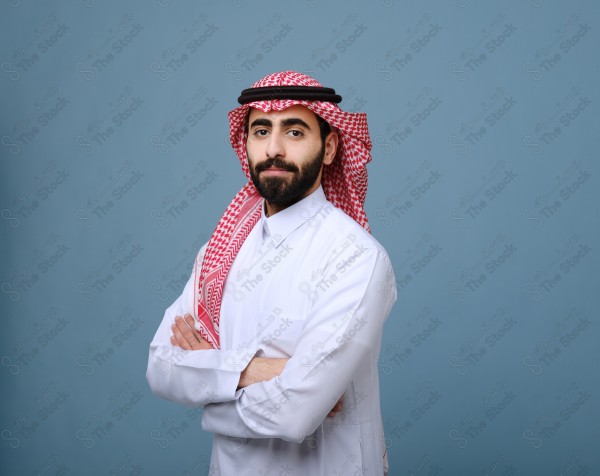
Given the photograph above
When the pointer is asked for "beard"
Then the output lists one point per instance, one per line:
(285, 190)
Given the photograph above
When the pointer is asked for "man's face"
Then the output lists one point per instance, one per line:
(285, 154)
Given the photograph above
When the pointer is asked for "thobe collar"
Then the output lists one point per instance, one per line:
(277, 228)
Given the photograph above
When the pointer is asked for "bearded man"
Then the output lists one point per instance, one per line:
(278, 330)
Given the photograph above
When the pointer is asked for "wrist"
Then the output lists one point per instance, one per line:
(261, 369)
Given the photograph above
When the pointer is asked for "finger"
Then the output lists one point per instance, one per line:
(187, 329)
(336, 408)
(189, 320)
(188, 334)
(194, 337)
(178, 340)
(181, 341)
(186, 325)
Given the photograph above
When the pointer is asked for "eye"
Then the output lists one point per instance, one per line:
(295, 133)
(261, 132)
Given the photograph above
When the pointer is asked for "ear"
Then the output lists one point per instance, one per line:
(331, 147)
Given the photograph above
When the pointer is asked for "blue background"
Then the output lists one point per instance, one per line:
(483, 189)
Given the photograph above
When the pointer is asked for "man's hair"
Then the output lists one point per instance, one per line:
(324, 127)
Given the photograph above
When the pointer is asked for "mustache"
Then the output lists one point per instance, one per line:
(275, 162)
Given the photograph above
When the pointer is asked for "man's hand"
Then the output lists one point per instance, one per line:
(186, 336)
(338, 407)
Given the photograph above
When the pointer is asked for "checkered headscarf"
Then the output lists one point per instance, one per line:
(344, 182)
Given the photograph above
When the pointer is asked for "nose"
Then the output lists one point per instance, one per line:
(275, 146)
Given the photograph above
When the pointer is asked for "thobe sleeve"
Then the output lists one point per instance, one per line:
(345, 324)
(189, 377)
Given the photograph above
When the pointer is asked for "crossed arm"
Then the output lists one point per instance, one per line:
(255, 397)
(259, 369)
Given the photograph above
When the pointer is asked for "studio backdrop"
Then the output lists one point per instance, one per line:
(116, 166)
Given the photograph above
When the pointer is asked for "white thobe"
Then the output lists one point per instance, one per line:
(311, 285)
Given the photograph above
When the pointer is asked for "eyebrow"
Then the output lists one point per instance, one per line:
(291, 121)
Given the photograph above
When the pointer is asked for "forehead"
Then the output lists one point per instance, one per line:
(297, 111)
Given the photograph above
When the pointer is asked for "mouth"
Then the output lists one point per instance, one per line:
(275, 171)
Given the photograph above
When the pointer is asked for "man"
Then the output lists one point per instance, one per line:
(278, 331)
